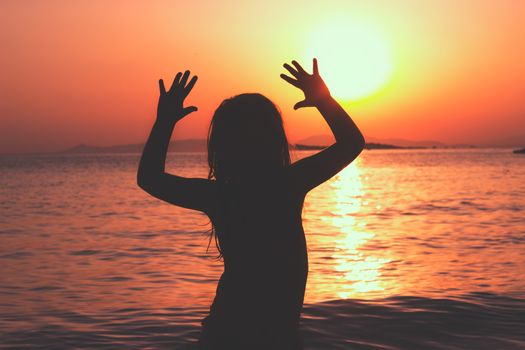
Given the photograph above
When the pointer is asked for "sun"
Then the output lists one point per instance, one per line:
(354, 60)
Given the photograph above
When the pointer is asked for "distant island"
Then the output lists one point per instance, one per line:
(370, 145)
(316, 142)
(385, 143)
(199, 145)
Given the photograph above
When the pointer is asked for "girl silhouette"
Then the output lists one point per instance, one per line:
(253, 197)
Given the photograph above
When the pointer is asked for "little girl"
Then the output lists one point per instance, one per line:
(253, 197)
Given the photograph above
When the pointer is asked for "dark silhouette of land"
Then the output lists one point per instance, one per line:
(370, 145)
(198, 145)
(316, 142)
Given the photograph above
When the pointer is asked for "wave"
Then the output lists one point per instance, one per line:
(474, 321)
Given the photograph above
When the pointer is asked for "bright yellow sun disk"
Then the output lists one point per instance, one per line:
(353, 58)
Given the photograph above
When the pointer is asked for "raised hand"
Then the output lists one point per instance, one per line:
(312, 85)
(170, 106)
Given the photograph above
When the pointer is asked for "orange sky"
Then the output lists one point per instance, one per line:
(87, 71)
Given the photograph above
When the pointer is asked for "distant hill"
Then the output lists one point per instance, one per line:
(372, 145)
(310, 143)
(322, 140)
(300, 146)
(326, 140)
(409, 143)
(191, 145)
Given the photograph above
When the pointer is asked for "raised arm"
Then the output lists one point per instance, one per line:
(310, 172)
(192, 193)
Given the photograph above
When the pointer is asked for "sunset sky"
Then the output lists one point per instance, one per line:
(87, 71)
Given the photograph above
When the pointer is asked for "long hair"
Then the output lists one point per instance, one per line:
(246, 138)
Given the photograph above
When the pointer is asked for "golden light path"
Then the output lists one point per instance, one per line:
(361, 272)
(354, 59)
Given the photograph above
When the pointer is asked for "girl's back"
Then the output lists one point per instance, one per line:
(254, 197)
(260, 294)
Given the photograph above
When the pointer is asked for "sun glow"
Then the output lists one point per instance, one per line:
(354, 59)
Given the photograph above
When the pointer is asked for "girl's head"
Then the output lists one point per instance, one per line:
(246, 139)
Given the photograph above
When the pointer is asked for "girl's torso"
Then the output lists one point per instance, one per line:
(260, 233)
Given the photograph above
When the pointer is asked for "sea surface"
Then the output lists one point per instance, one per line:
(408, 249)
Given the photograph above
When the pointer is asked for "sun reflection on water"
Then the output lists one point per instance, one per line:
(358, 271)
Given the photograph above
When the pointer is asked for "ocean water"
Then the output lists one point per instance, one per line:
(408, 249)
